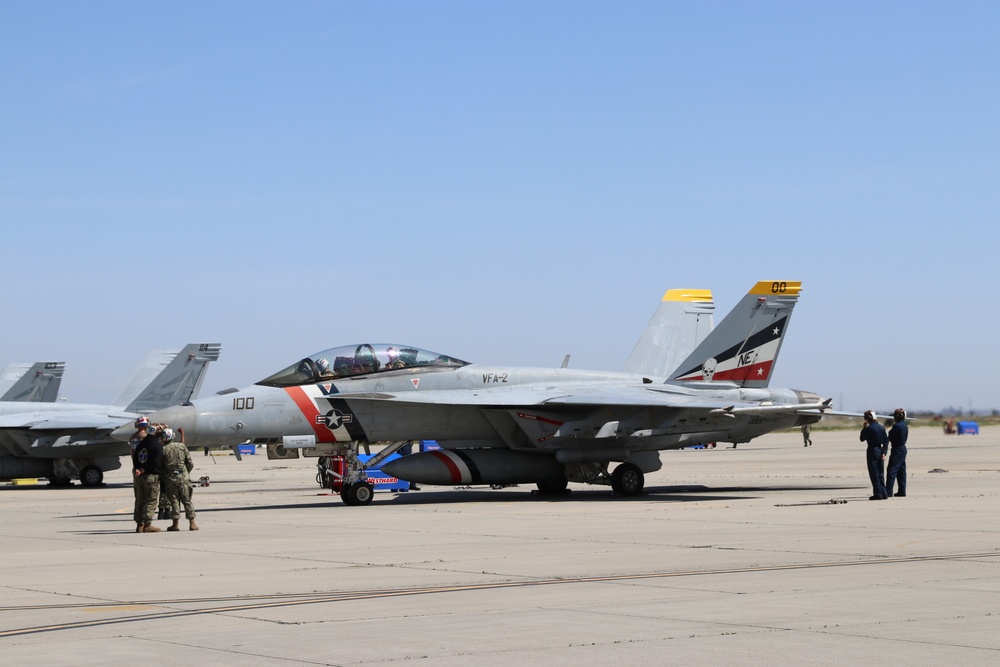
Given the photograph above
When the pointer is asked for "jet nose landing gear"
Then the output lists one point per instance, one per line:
(358, 493)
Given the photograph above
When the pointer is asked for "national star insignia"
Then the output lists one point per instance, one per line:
(776, 331)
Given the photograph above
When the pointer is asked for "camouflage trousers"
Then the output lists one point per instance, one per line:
(137, 492)
(148, 495)
(178, 492)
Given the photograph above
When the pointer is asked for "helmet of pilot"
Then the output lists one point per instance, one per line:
(167, 434)
(323, 365)
(141, 423)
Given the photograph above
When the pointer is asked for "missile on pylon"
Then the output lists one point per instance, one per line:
(476, 466)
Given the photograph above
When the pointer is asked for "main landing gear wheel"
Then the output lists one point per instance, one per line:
(627, 480)
(359, 493)
(91, 476)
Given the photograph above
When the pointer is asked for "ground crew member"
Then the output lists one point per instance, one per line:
(896, 471)
(806, 435)
(141, 424)
(175, 478)
(146, 475)
(874, 434)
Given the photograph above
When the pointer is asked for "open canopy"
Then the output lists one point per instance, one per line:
(353, 360)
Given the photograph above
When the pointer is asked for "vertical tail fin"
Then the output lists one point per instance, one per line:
(39, 382)
(179, 381)
(151, 365)
(681, 322)
(745, 345)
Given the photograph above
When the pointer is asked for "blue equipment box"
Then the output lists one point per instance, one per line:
(381, 481)
(967, 428)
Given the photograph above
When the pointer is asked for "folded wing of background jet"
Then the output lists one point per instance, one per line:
(61, 441)
(38, 382)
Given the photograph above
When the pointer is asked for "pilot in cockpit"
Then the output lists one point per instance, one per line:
(325, 371)
(394, 360)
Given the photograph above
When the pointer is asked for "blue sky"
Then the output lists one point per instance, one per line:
(505, 182)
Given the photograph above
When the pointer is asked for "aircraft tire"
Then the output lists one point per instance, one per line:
(360, 493)
(91, 476)
(627, 480)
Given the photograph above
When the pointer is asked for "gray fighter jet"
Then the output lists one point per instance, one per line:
(503, 425)
(38, 382)
(61, 441)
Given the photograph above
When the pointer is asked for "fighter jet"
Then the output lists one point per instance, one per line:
(38, 382)
(61, 441)
(504, 425)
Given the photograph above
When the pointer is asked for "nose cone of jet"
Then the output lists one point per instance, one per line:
(123, 432)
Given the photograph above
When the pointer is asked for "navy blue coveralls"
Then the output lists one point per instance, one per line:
(878, 442)
(896, 471)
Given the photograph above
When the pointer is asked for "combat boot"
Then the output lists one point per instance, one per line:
(174, 526)
(149, 528)
(138, 526)
(194, 526)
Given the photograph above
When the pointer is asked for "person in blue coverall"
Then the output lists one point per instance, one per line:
(896, 470)
(878, 442)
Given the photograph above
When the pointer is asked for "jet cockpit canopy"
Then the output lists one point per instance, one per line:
(363, 359)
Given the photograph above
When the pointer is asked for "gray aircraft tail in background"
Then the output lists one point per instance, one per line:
(38, 382)
(61, 441)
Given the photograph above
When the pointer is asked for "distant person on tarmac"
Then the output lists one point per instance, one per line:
(896, 471)
(874, 434)
(806, 435)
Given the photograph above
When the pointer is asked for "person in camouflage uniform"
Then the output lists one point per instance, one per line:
(175, 478)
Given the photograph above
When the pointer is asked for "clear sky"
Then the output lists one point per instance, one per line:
(504, 182)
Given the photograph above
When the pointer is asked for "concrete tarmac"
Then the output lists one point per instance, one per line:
(746, 556)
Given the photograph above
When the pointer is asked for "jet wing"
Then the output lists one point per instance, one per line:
(636, 397)
(484, 397)
(74, 422)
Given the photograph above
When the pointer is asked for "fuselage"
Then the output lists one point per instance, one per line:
(478, 406)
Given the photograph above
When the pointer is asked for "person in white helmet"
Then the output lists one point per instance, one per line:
(175, 478)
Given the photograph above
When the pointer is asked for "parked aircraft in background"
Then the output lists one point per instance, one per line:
(503, 425)
(61, 441)
(38, 382)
